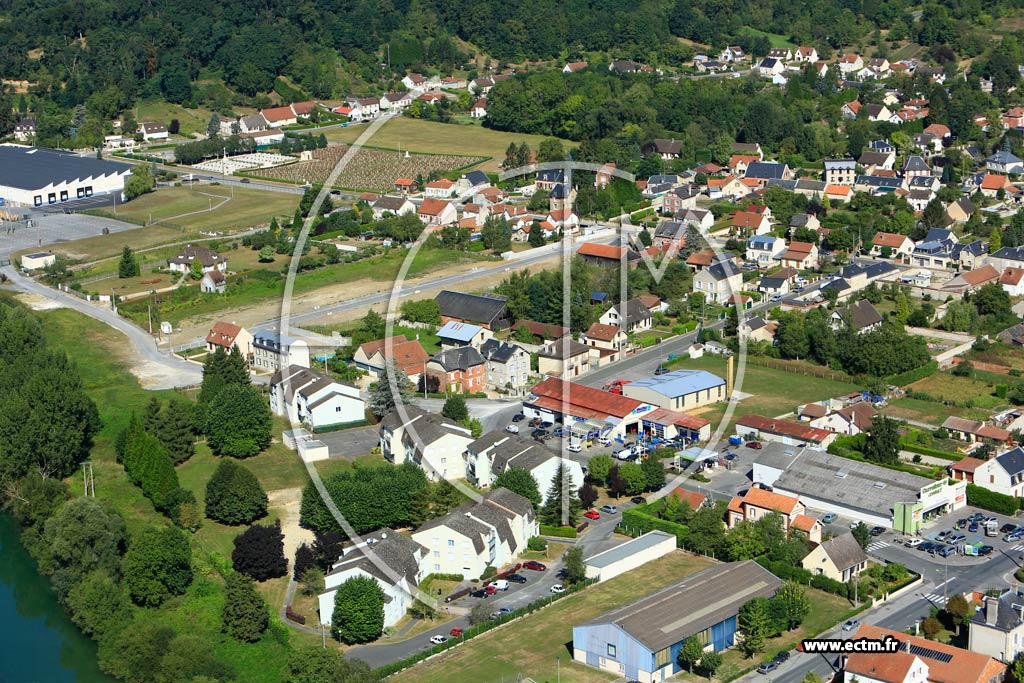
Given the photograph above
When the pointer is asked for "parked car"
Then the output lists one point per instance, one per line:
(776, 297)
(914, 542)
(575, 447)
(768, 667)
(946, 551)
(558, 588)
(592, 514)
(512, 429)
(877, 530)
(926, 546)
(985, 550)
(956, 538)
(973, 527)
(989, 520)
(960, 524)
(491, 590)
(516, 578)
(851, 624)
(557, 431)
(518, 417)
(534, 565)
(539, 433)
(730, 456)
(498, 613)
(781, 657)
(480, 593)
(535, 422)
(829, 516)
(456, 632)
(976, 517)
(438, 640)
(1011, 537)
(661, 370)
(624, 453)
(547, 425)
(638, 500)
(499, 584)
(756, 445)
(1007, 528)
(609, 509)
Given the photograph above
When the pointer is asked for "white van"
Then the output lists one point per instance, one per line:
(500, 584)
(604, 440)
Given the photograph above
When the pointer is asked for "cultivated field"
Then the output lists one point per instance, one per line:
(442, 138)
(374, 170)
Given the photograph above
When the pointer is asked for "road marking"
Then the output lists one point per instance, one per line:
(876, 545)
(936, 598)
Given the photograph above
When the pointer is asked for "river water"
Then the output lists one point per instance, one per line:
(38, 642)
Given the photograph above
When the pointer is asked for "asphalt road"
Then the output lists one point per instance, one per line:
(174, 372)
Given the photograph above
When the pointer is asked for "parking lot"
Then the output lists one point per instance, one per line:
(54, 228)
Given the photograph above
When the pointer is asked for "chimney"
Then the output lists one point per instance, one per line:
(991, 610)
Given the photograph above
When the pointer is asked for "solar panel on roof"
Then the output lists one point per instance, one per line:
(920, 651)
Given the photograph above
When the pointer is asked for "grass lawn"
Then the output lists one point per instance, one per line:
(530, 646)
(417, 135)
(949, 387)
(775, 392)
(826, 611)
(258, 286)
(100, 353)
(430, 342)
(191, 120)
(775, 39)
(931, 412)
(246, 207)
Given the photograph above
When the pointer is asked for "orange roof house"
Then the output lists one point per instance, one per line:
(919, 659)
(758, 502)
(691, 498)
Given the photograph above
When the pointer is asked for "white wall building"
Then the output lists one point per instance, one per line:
(433, 442)
(36, 176)
(315, 400)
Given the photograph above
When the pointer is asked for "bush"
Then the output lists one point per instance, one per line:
(910, 376)
(558, 531)
(990, 500)
(640, 520)
(234, 495)
(489, 573)
(934, 452)
(537, 544)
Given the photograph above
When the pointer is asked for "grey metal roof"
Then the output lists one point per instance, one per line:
(765, 169)
(687, 607)
(1007, 616)
(678, 382)
(1012, 461)
(472, 307)
(477, 178)
(33, 168)
(629, 548)
(816, 474)
(461, 332)
(397, 552)
(499, 351)
(722, 270)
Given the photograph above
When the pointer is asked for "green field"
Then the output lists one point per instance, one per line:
(775, 392)
(776, 39)
(417, 135)
(245, 207)
(191, 120)
(267, 283)
(532, 645)
(931, 412)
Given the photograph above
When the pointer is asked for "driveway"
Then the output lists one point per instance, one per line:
(351, 443)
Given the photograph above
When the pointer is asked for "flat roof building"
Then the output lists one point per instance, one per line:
(641, 641)
(630, 555)
(875, 495)
(678, 389)
(36, 176)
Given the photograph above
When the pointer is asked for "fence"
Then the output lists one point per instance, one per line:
(800, 370)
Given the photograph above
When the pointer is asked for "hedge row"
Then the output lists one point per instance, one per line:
(638, 521)
(990, 500)
(338, 426)
(788, 572)
(934, 452)
(558, 531)
(914, 375)
(479, 629)
(441, 577)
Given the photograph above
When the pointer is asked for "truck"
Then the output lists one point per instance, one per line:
(992, 528)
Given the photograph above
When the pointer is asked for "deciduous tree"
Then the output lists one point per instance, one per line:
(259, 552)
(234, 495)
(519, 481)
(245, 615)
(358, 611)
(158, 564)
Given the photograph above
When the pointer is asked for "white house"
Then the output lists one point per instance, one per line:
(313, 399)
(397, 206)
(507, 364)
(273, 351)
(633, 317)
(764, 250)
(396, 562)
(213, 282)
(437, 212)
(852, 420)
(719, 281)
(153, 131)
(208, 259)
(491, 532)
(1002, 474)
(433, 442)
(495, 452)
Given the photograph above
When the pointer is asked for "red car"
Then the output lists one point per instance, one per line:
(491, 590)
(534, 565)
(592, 514)
(756, 445)
(456, 632)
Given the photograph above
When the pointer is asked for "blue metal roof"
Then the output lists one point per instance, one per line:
(679, 382)
(463, 332)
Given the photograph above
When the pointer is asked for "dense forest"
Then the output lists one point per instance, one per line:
(89, 62)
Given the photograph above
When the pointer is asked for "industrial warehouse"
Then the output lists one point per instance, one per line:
(34, 176)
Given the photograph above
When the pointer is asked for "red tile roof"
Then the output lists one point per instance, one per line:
(600, 251)
(433, 207)
(275, 114)
(746, 219)
(967, 464)
(602, 332)
(803, 523)
(980, 276)
(223, 334)
(994, 181)
(582, 401)
(691, 498)
(1011, 276)
(769, 500)
(889, 239)
(956, 666)
(664, 416)
(784, 428)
